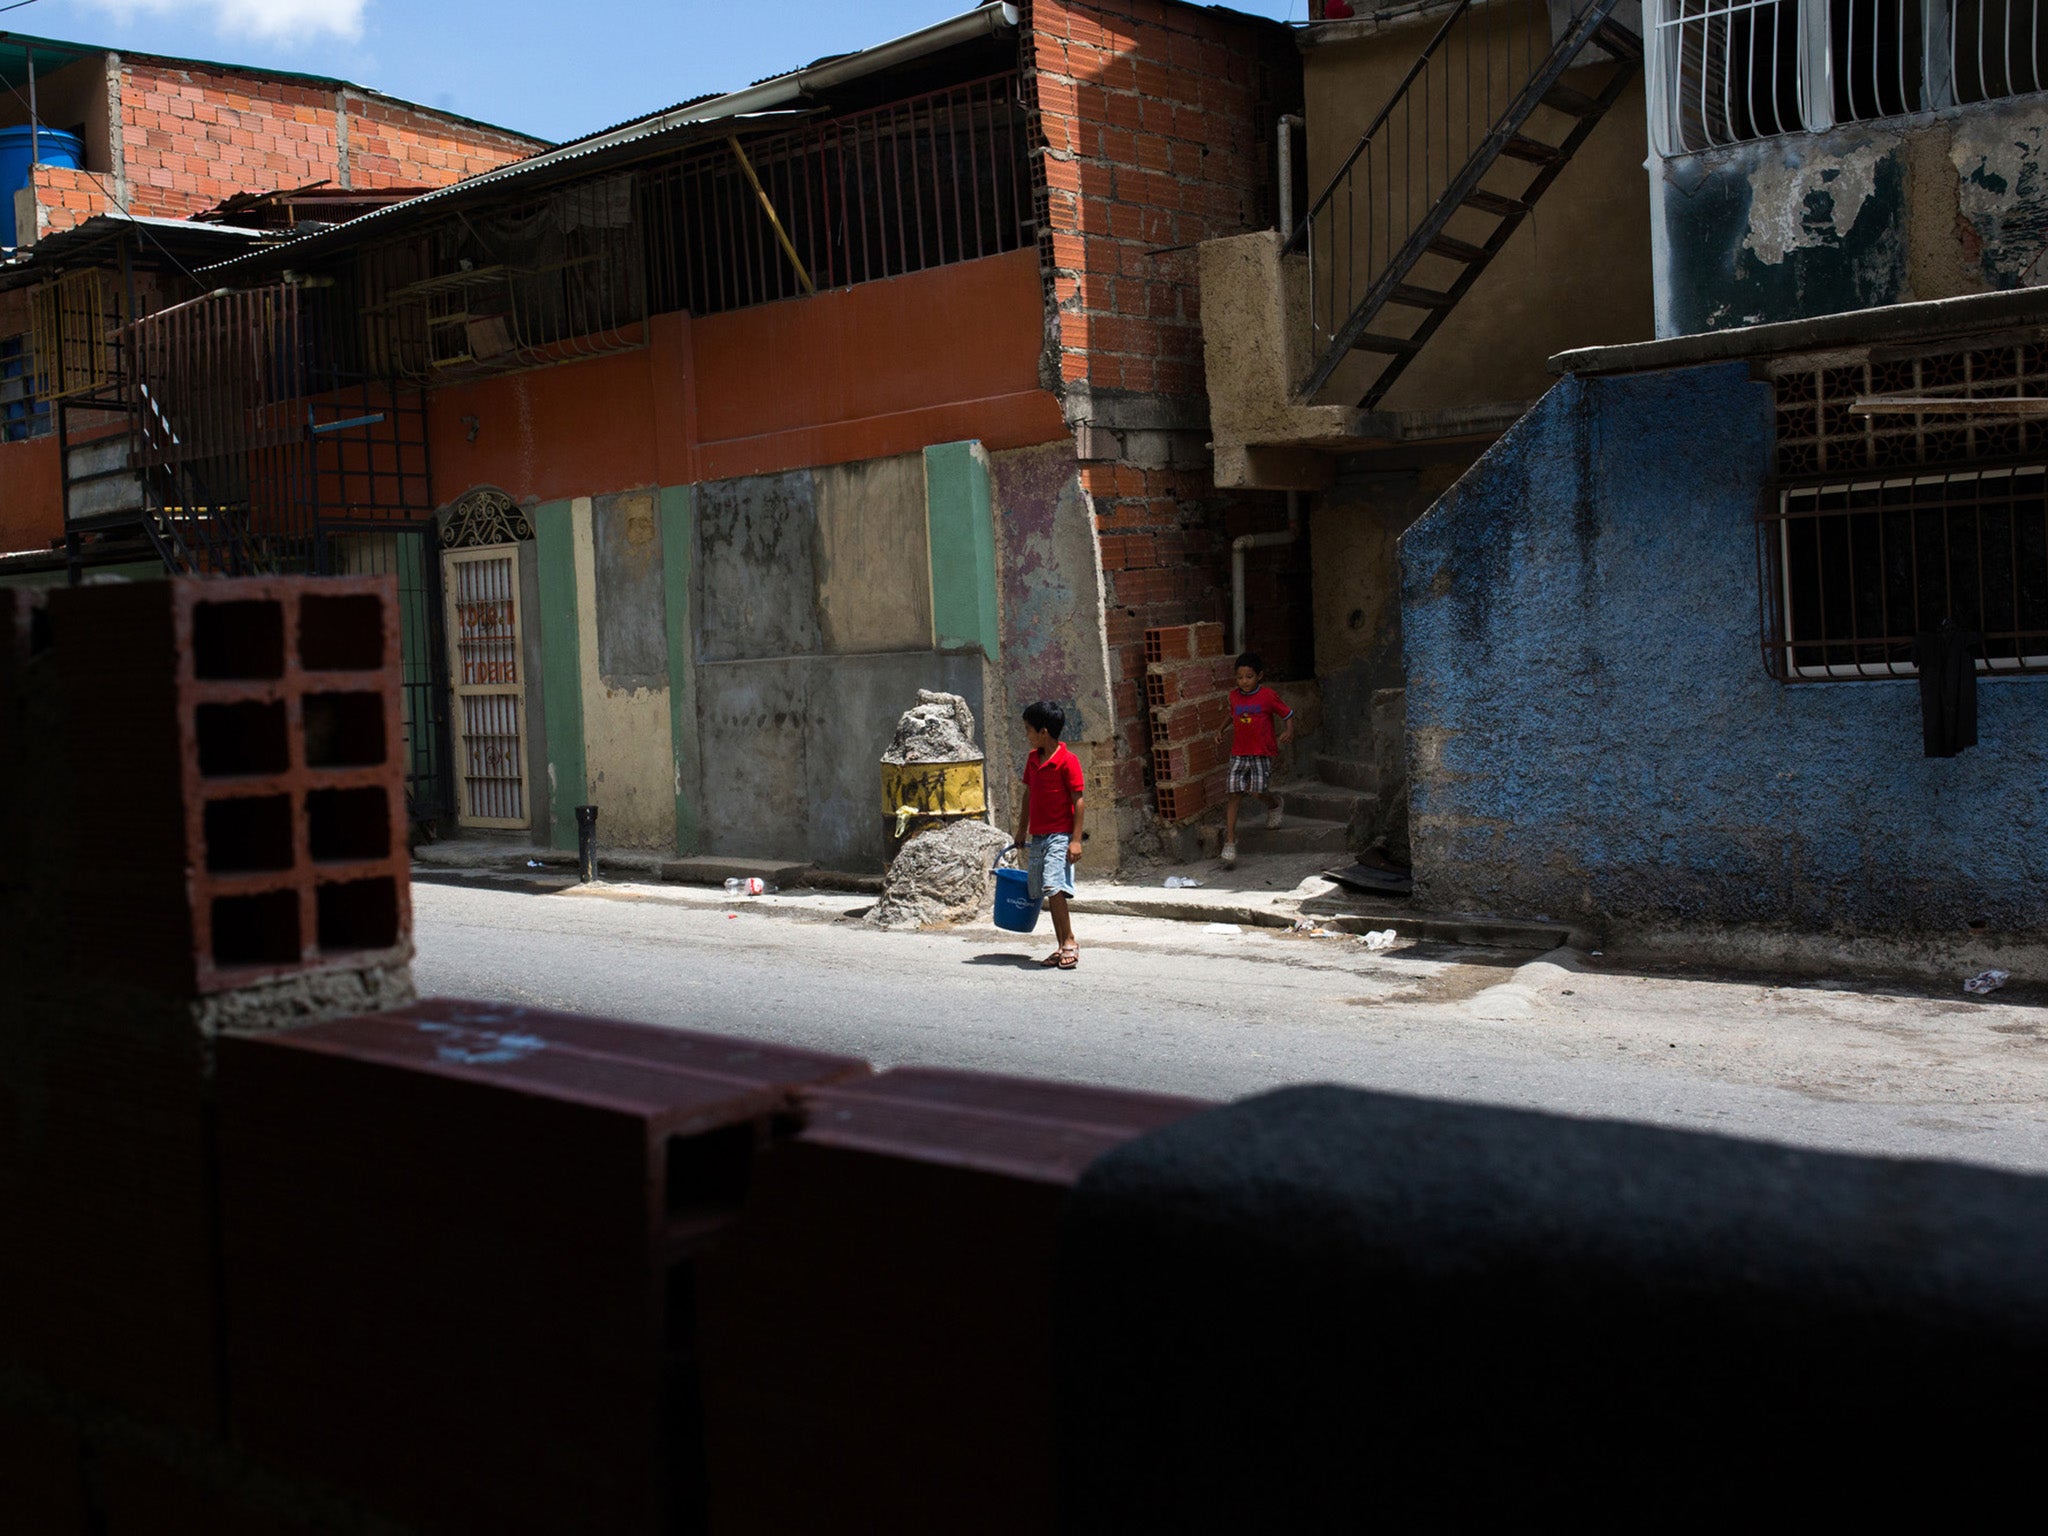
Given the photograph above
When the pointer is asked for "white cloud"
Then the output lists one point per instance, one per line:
(272, 20)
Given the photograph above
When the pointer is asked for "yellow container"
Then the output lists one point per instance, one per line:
(934, 789)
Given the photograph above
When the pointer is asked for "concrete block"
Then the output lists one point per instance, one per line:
(220, 729)
(458, 1242)
(1175, 682)
(1183, 642)
(926, 1206)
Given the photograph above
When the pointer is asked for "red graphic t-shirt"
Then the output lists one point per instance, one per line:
(1051, 787)
(1251, 722)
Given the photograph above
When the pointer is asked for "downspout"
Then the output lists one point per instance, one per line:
(1288, 124)
(1256, 541)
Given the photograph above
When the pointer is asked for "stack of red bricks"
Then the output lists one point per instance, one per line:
(1187, 683)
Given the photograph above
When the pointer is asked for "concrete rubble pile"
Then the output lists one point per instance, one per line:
(942, 873)
(940, 729)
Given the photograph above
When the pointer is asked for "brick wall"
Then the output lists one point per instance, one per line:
(192, 137)
(1158, 120)
(65, 199)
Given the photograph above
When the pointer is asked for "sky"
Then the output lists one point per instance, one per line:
(555, 68)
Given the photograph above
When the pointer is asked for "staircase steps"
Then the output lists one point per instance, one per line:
(1420, 298)
(1493, 203)
(1390, 141)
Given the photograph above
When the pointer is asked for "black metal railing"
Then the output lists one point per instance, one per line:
(1457, 113)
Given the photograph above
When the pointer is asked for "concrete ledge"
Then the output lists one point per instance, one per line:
(713, 869)
(1930, 320)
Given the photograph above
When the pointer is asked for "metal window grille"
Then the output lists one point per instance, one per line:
(543, 280)
(1822, 432)
(1877, 57)
(1995, 48)
(76, 322)
(23, 412)
(1854, 570)
(1724, 71)
(922, 182)
(1727, 71)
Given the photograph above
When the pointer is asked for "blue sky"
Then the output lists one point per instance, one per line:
(555, 69)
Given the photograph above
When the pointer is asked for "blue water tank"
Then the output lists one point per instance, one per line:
(17, 147)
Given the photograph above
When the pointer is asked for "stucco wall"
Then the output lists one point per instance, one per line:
(628, 750)
(1922, 207)
(1592, 735)
(814, 603)
(1354, 530)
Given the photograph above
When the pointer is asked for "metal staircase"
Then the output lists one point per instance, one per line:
(1483, 107)
(126, 483)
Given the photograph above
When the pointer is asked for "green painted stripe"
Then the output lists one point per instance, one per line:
(561, 668)
(961, 521)
(678, 549)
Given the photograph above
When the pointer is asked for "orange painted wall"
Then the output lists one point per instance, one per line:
(31, 495)
(856, 373)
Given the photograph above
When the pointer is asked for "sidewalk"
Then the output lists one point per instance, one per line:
(1262, 890)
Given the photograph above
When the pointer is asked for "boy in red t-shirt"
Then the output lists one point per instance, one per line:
(1049, 823)
(1253, 746)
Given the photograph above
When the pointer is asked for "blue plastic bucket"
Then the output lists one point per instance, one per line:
(1015, 910)
(16, 148)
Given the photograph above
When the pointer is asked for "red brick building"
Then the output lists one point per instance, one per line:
(170, 138)
(927, 313)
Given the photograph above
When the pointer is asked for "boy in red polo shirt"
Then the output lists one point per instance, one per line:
(1253, 746)
(1049, 823)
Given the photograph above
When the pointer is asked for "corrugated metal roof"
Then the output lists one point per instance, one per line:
(631, 140)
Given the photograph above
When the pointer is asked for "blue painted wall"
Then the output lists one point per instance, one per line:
(1592, 734)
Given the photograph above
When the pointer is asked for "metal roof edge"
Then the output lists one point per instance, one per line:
(777, 91)
(1921, 320)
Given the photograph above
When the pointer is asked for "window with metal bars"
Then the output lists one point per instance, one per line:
(1726, 71)
(913, 184)
(23, 413)
(1854, 570)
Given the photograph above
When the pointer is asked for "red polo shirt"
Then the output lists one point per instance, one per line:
(1050, 787)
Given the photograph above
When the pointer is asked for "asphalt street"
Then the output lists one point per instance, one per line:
(1177, 1008)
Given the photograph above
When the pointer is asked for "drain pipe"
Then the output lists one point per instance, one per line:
(1288, 126)
(1256, 541)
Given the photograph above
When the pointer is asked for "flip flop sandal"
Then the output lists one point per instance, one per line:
(1068, 957)
(1052, 959)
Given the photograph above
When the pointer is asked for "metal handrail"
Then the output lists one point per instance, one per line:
(1458, 109)
(1299, 238)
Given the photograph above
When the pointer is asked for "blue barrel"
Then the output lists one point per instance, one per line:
(1015, 910)
(15, 158)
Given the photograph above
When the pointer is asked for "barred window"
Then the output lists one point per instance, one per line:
(1725, 71)
(1877, 54)
(22, 413)
(1995, 48)
(1855, 570)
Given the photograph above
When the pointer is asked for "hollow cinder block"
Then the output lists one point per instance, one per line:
(876, 1333)
(459, 1243)
(219, 730)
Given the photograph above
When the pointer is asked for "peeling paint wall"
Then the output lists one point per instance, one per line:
(628, 747)
(1053, 644)
(1867, 214)
(1592, 734)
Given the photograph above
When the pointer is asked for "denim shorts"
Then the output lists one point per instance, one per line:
(1050, 875)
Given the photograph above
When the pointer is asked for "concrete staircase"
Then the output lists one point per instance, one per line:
(1323, 814)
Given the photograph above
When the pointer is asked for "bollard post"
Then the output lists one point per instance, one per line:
(586, 843)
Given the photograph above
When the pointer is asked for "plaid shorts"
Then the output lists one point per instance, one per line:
(1250, 775)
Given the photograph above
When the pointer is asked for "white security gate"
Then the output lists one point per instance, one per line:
(483, 639)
